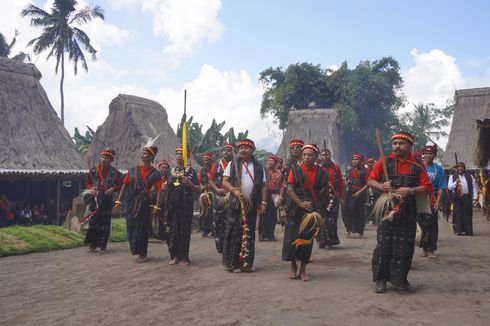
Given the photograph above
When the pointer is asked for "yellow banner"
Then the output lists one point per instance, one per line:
(184, 143)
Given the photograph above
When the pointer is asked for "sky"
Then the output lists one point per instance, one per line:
(216, 49)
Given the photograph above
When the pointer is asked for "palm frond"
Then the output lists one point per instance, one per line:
(34, 12)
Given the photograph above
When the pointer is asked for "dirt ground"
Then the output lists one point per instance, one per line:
(75, 287)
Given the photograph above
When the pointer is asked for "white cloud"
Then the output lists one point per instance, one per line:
(101, 33)
(185, 23)
(232, 96)
(433, 79)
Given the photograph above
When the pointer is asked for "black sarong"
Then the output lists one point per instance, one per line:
(290, 250)
(138, 228)
(331, 223)
(232, 239)
(393, 254)
(219, 225)
(430, 231)
(353, 214)
(180, 224)
(463, 215)
(268, 220)
(99, 227)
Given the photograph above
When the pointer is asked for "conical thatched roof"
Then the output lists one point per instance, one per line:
(470, 105)
(130, 119)
(31, 135)
(314, 126)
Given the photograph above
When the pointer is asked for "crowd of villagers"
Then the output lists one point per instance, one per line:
(305, 195)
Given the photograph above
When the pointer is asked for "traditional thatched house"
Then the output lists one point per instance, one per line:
(470, 105)
(483, 142)
(39, 162)
(314, 126)
(130, 119)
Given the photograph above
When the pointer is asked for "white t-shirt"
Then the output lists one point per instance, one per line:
(246, 182)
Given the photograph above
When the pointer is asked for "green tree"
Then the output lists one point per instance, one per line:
(292, 89)
(426, 121)
(61, 34)
(6, 49)
(368, 96)
(83, 142)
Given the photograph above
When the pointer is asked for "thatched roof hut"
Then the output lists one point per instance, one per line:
(470, 105)
(32, 138)
(314, 126)
(130, 119)
(39, 162)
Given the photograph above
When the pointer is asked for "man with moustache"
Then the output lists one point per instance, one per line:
(245, 179)
(392, 257)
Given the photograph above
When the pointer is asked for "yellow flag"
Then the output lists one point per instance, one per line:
(184, 143)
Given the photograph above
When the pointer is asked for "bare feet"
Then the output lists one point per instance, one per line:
(294, 271)
(184, 262)
(424, 254)
(303, 276)
(432, 255)
(141, 259)
(174, 261)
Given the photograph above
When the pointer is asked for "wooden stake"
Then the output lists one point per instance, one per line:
(381, 154)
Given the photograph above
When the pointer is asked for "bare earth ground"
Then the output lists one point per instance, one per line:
(74, 287)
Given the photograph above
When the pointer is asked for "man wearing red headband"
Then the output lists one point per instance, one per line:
(182, 185)
(268, 220)
(216, 184)
(353, 213)
(393, 255)
(104, 180)
(139, 204)
(428, 222)
(463, 187)
(308, 190)
(328, 234)
(245, 179)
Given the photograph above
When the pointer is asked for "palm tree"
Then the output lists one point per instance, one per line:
(61, 35)
(6, 48)
(427, 120)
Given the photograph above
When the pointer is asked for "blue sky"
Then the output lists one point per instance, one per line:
(216, 49)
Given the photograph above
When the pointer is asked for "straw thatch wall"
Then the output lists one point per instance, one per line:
(470, 105)
(314, 126)
(130, 119)
(483, 141)
(31, 134)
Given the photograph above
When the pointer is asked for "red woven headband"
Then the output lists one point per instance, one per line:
(296, 142)
(406, 137)
(246, 142)
(163, 162)
(313, 147)
(108, 153)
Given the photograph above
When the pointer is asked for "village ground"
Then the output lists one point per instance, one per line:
(74, 287)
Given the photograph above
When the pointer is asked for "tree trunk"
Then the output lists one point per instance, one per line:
(61, 89)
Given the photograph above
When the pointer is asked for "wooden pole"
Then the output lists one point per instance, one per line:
(381, 154)
(58, 201)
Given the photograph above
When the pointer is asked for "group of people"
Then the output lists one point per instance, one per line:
(23, 214)
(306, 193)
